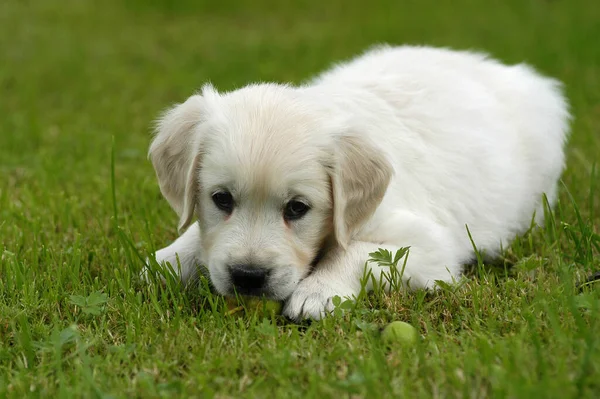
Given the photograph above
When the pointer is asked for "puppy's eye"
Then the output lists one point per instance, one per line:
(223, 200)
(295, 210)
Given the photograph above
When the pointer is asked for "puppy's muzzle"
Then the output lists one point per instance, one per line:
(249, 279)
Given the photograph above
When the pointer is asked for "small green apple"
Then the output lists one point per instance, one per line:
(399, 332)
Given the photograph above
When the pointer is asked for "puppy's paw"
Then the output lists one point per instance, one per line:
(145, 274)
(168, 262)
(313, 298)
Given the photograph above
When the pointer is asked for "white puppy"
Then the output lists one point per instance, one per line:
(284, 190)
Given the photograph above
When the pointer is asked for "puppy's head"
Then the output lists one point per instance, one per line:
(270, 179)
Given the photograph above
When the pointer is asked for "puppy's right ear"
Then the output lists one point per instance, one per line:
(176, 154)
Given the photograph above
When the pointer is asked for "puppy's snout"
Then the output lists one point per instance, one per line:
(248, 279)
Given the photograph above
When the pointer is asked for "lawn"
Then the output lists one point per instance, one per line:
(81, 82)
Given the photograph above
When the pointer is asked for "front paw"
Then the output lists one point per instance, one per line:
(158, 269)
(313, 298)
(167, 263)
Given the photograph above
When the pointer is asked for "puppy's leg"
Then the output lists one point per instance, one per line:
(432, 256)
(186, 248)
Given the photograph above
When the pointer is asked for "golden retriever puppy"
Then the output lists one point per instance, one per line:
(284, 191)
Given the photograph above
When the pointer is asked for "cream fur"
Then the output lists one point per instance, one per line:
(402, 146)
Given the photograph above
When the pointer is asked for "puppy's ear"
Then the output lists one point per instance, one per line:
(176, 153)
(360, 177)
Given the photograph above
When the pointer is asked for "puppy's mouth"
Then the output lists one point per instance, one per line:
(277, 283)
(275, 286)
(266, 293)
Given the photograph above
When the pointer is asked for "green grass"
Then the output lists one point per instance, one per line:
(75, 321)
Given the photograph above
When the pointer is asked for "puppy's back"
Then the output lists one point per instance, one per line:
(472, 141)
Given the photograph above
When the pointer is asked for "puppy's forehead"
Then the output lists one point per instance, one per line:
(272, 174)
(268, 117)
(265, 137)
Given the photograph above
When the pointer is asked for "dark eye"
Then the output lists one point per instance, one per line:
(223, 200)
(295, 210)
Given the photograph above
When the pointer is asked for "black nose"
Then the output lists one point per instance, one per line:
(248, 279)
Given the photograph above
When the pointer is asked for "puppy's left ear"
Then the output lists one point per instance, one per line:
(176, 154)
(360, 177)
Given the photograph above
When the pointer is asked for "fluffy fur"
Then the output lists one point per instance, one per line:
(402, 146)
